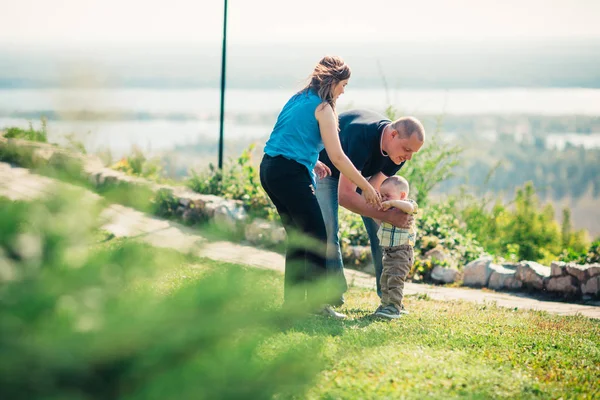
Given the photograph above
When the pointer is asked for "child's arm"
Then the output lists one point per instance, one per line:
(406, 206)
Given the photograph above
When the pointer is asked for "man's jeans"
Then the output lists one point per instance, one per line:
(327, 195)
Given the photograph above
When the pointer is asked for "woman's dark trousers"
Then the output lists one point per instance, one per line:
(290, 187)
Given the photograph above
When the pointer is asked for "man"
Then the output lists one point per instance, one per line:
(378, 148)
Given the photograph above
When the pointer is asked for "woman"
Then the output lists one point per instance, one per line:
(307, 123)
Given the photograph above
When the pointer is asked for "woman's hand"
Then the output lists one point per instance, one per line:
(322, 170)
(372, 197)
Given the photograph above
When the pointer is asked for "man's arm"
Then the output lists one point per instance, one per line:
(349, 199)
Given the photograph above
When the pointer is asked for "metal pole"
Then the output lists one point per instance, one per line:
(223, 87)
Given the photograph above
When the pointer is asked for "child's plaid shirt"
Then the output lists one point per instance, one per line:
(391, 236)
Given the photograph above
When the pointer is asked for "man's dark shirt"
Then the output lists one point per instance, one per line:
(360, 135)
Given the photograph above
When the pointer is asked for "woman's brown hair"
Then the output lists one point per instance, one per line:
(327, 73)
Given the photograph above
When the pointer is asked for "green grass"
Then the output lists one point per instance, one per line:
(441, 350)
(455, 349)
(142, 322)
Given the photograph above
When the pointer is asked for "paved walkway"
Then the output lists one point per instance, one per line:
(20, 184)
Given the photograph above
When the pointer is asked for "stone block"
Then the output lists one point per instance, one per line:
(578, 271)
(557, 268)
(503, 278)
(477, 273)
(444, 275)
(591, 286)
(567, 285)
(532, 274)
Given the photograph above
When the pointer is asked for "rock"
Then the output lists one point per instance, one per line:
(503, 277)
(261, 230)
(189, 216)
(185, 202)
(278, 235)
(257, 231)
(438, 253)
(444, 275)
(356, 255)
(205, 203)
(578, 271)
(93, 178)
(229, 213)
(592, 286)
(563, 284)
(593, 270)
(532, 274)
(477, 272)
(208, 209)
(557, 268)
(107, 177)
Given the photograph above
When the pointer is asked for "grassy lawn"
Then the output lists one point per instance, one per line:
(441, 350)
(84, 315)
(454, 349)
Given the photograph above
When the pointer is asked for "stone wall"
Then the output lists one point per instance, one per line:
(567, 280)
(186, 205)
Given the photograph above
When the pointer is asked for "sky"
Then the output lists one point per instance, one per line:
(72, 22)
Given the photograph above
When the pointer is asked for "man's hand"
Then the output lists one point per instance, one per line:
(322, 170)
(398, 218)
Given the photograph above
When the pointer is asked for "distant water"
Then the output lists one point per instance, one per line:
(156, 133)
(475, 101)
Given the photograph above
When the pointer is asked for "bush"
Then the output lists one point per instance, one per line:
(136, 164)
(77, 322)
(352, 231)
(438, 225)
(31, 134)
(588, 256)
(239, 180)
(520, 230)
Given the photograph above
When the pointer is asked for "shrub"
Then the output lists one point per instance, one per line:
(352, 231)
(438, 225)
(588, 256)
(137, 164)
(239, 180)
(31, 134)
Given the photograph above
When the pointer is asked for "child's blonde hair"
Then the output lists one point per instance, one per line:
(399, 182)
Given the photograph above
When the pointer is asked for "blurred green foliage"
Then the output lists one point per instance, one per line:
(137, 164)
(34, 135)
(76, 322)
(520, 230)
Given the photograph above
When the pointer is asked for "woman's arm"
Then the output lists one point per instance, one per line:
(329, 134)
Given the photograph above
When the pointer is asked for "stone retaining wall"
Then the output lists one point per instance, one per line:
(568, 280)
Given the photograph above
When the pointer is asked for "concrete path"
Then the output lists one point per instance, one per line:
(20, 184)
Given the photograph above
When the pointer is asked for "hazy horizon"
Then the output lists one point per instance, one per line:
(495, 63)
